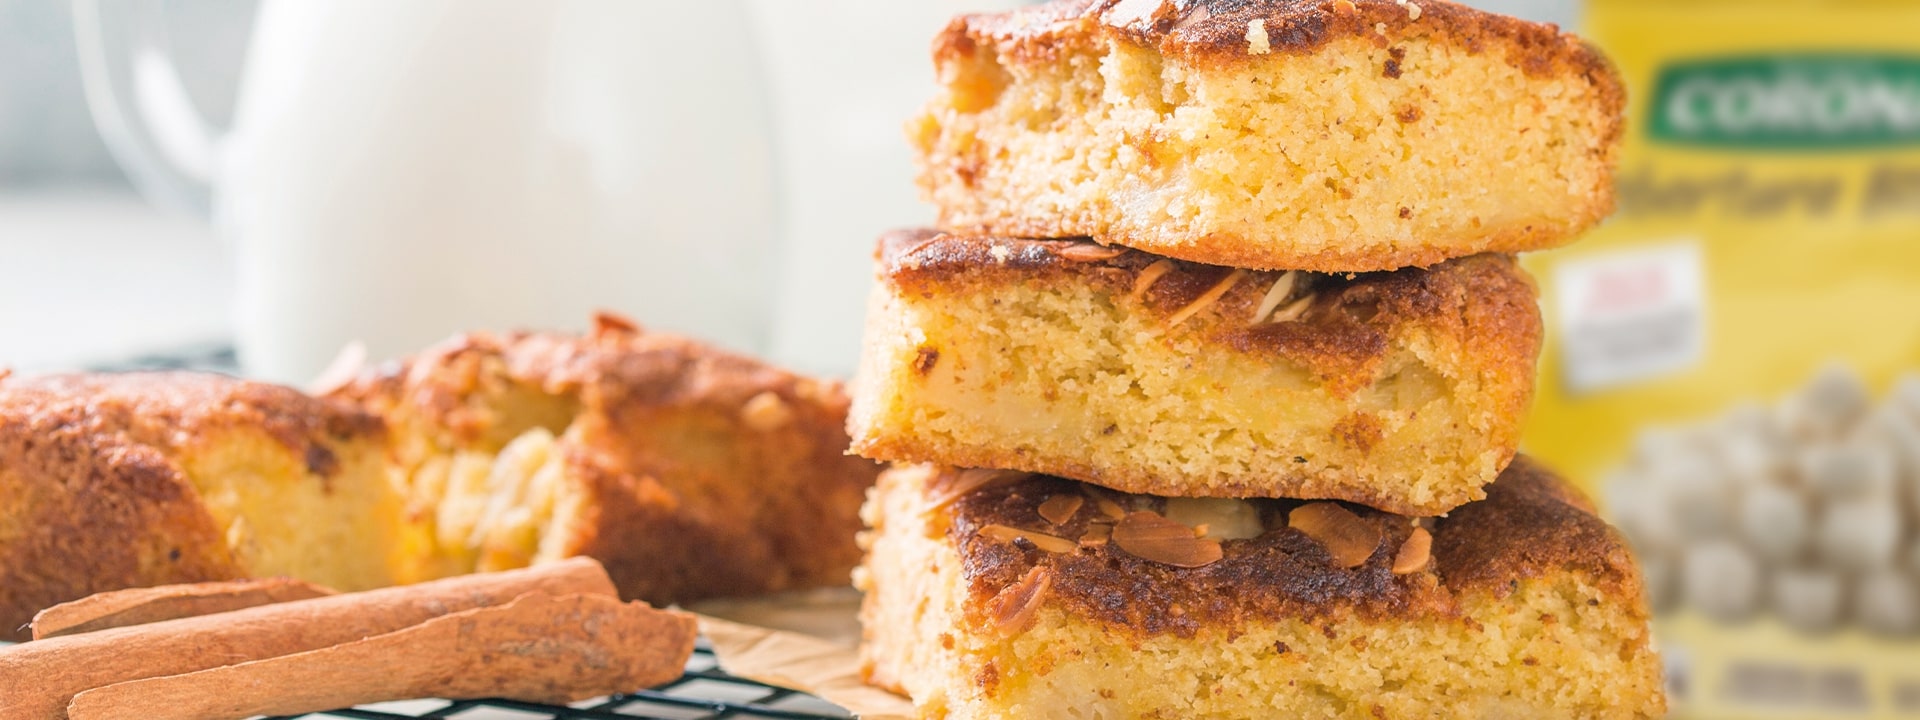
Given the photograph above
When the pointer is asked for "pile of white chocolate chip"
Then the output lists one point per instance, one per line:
(1809, 510)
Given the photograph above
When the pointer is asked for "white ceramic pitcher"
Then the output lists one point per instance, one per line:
(400, 171)
(846, 76)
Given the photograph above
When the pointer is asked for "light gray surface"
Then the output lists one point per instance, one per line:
(92, 273)
(46, 134)
(93, 276)
(1565, 13)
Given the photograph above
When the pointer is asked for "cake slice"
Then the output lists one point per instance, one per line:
(1400, 390)
(688, 471)
(1001, 595)
(1327, 135)
(110, 482)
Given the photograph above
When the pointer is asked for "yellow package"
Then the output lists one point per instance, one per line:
(1733, 364)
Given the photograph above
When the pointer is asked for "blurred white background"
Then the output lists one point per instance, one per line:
(91, 273)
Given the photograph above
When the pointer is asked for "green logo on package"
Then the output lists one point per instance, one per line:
(1789, 102)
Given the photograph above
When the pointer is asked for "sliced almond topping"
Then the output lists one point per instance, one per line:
(1294, 311)
(1090, 252)
(1096, 535)
(345, 367)
(1150, 536)
(766, 412)
(1043, 541)
(1347, 538)
(1281, 290)
(1015, 607)
(1414, 553)
(1211, 296)
(1148, 277)
(607, 324)
(1133, 14)
(955, 486)
(1061, 508)
(1108, 508)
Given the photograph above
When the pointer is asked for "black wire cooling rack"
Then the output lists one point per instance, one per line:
(218, 358)
(704, 692)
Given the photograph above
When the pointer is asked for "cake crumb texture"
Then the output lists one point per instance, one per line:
(1402, 390)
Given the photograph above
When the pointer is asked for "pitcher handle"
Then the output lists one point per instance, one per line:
(140, 106)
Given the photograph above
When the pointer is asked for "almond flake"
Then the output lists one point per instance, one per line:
(1089, 252)
(1149, 276)
(1347, 538)
(1281, 290)
(1415, 553)
(606, 324)
(1293, 312)
(955, 486)
(1150, 536)
(345, 368)
(1061, 508)
(1136, 13)
(1015, 607)
(1096, 535)
(1195, 13)
(1109, 508)
(1043, 541)
(766, 412)
(1211, 296)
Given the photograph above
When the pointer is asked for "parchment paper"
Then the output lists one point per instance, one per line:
(805, 642)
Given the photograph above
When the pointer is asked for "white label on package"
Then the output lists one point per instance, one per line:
(1631, 315)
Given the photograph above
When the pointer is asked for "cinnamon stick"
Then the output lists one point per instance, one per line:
(538, 648)
(38, 679)
(140, 606)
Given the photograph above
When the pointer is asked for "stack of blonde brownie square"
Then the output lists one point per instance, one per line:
(1205, 399)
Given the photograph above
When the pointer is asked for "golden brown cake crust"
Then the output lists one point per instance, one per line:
(1215, 31)
(171, 409)
(1531, 525)
(95, 498)
(677, 465)
(1234, 251)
